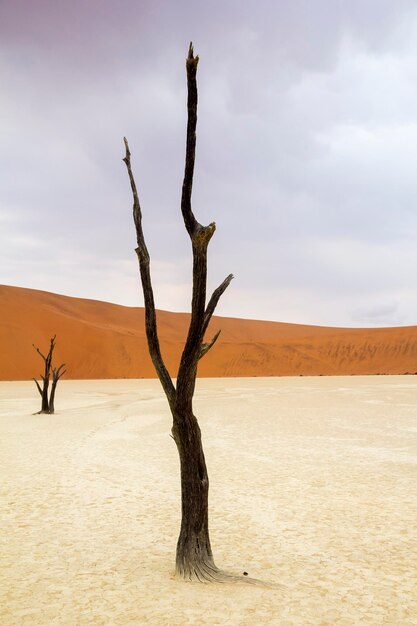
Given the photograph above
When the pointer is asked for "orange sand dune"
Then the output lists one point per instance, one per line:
(102, 340)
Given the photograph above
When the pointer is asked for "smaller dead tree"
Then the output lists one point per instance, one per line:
(48, 400)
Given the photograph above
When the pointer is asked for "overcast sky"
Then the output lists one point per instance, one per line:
(306, 152)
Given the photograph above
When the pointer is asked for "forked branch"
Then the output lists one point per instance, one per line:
(48, 357)
(200, 237)
(57, 373)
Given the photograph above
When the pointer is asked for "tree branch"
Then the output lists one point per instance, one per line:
(38, 386)
(39, 352)
(48, 361)
(48, 357)
(56, 372)
(190, 222)
(150, 313)
(205, 347)
(217, 293)
(200, 238)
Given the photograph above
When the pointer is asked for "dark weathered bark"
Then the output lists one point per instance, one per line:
(47, 404)
(194, 559)
(145, 274)
(56, 375)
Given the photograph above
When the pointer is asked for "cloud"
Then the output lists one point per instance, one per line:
(306, 145)
(377, 315)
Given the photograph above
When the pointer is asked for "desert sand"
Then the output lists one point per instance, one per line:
(102, 340)
(312, 486)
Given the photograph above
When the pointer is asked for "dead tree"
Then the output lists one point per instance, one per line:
(48, 400)
(194, 557)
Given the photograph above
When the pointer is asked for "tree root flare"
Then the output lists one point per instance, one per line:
(209, 573)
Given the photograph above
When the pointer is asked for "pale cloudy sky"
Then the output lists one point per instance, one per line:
(306, 152)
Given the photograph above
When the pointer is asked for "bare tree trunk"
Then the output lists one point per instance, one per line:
(194, 559)
(56, 375)
(45, 401)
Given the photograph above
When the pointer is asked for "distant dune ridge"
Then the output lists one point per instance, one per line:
(102, 340)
